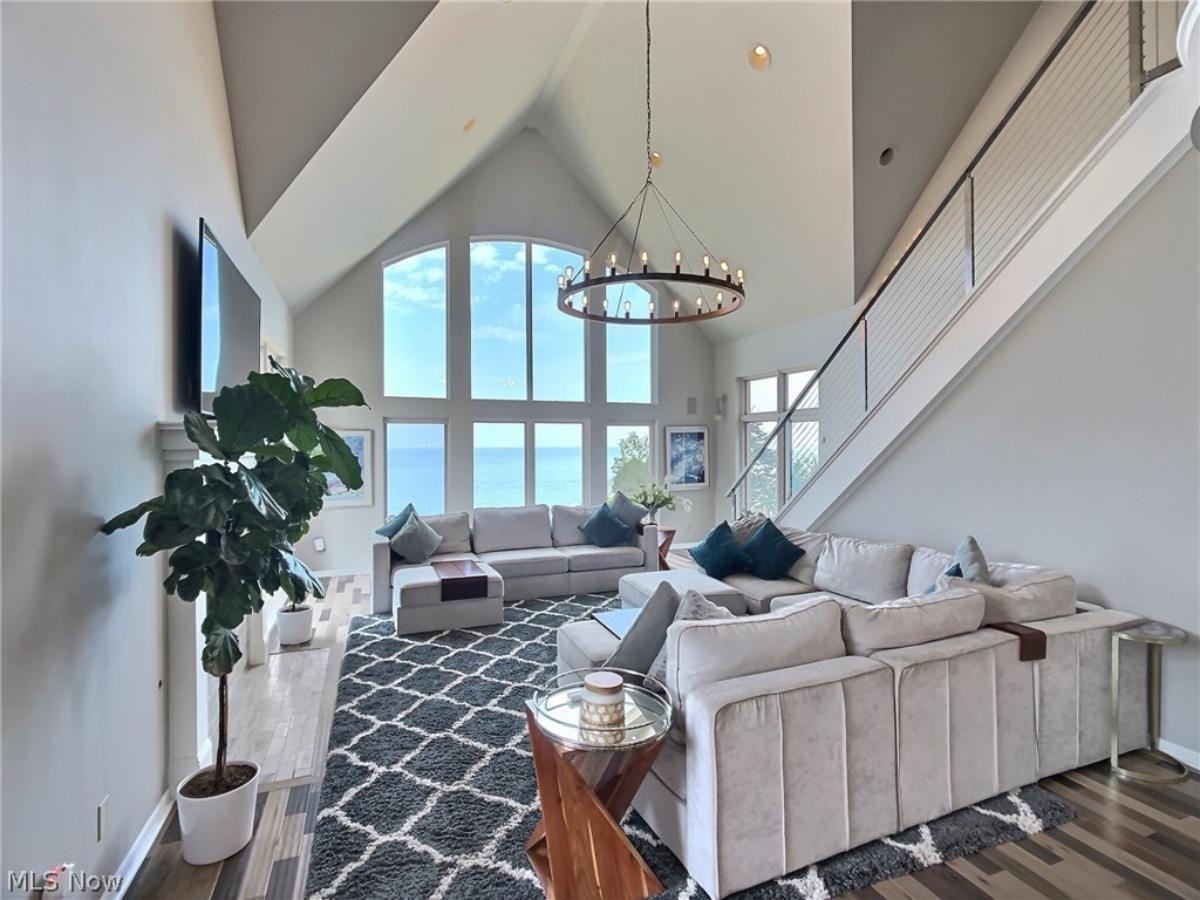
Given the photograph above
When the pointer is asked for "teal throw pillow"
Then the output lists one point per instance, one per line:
(771, 553)
(719, 554)
(395, 523)
(604, 529)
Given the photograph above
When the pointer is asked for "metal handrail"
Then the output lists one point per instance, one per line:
(860, 320)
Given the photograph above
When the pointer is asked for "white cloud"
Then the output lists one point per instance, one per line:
(500, 333)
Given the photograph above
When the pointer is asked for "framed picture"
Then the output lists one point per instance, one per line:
(686, 450)
(338, 494)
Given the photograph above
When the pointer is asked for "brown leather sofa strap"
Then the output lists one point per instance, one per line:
(1031, 642)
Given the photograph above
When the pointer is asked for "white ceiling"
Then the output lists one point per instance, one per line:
(762, 164)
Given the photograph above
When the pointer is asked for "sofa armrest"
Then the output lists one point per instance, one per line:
(788, 767)
(648, 541)
(381, 575)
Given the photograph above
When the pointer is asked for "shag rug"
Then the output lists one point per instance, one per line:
(429, 790)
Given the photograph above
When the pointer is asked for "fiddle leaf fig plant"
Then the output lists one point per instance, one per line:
(229, 525)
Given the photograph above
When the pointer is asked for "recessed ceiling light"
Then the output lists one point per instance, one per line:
(886, 156)
(469, 124)
(760, 57)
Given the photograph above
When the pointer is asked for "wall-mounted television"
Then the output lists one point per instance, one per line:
(225, 346)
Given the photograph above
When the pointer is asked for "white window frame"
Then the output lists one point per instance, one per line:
(418, 420)
(783, 450)
(392, 260)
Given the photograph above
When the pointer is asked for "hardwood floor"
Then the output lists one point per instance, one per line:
(1129, 840)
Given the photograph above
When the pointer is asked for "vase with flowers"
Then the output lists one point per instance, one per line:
(657, 497)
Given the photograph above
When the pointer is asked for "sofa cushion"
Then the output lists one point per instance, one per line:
(626, 510)
(604, 529)
(1042, 594)
(867, 571)
(700, 653)
(719, 554)
(420, 585)
(395, 523)
(589, 558)
(584, 644)
(911, 620)
(565, 522)
(415, 541)
(511, 528)
(692, 607)
(771, 553)
(526, 562)
(635, 589)
(759, 592)
(813, 544)
(455, 529)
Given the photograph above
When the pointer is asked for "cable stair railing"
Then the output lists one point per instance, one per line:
(1096, 69)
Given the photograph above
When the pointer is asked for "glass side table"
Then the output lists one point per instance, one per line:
(1155, 635)
(587, 776)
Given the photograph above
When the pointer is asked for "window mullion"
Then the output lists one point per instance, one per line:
(529, 320)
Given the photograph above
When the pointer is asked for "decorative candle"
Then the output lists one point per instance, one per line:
(602, 706)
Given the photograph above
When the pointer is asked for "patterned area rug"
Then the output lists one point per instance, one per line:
(429, 789)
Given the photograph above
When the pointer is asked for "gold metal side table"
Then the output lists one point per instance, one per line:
(1155, 635)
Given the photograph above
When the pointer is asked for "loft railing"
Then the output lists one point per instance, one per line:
(1095, 70)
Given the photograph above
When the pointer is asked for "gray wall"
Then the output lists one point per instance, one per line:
(1074, 444)
(116, 138)
(521, 189)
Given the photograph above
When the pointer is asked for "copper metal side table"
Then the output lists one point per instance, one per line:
(587, 778)
(1155, 635)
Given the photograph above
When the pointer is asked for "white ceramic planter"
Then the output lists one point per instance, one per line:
(295, 627)
(215, 828)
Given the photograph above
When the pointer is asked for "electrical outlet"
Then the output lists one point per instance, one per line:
(319, 544)
(102, 819)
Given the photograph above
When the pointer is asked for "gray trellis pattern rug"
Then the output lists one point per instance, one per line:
(429, 789)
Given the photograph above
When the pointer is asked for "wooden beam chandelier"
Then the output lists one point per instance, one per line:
(682, 296)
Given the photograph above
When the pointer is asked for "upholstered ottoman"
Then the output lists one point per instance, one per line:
(418, 606)
(636, 589)
(584, 644)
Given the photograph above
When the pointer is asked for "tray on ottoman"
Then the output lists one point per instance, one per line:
(462, 579)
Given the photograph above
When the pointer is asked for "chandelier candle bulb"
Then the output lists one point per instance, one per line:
(741, 277)
(612, 263)
(678, 261)
(677, 309)
(645, 261)
(704, 259)
(719, 298)
(627, 306)
(652, 309)
(570, 273)
(562, 282)
(587, 268)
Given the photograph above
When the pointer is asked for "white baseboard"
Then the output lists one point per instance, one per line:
(338, 573)
(141, 847)
(1185, 755)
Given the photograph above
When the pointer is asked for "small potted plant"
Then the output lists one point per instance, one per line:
(229, 525)
(656, 497)
(295, 622)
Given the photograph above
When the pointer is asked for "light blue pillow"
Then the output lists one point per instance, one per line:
(604, 529)
(395, 523)
(970, 557)
(626, 510)
(416, 541)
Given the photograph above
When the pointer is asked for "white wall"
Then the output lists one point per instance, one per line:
(799, 345)
(522, 190)
(116, 140)
(1074, 444)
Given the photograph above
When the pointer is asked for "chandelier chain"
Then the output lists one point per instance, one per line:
(649, 147)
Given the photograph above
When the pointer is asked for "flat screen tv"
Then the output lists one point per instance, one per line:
(226, 345)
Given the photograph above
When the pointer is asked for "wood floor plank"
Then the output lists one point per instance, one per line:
(1131, 861)
(266, 839)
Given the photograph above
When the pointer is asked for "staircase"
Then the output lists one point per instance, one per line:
(1103, 117)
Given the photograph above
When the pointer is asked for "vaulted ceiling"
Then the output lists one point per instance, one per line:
(340, 142)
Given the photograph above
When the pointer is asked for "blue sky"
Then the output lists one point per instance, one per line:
(414, 325)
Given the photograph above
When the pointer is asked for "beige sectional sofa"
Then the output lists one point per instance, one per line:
(538, 551)
(851, 704)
